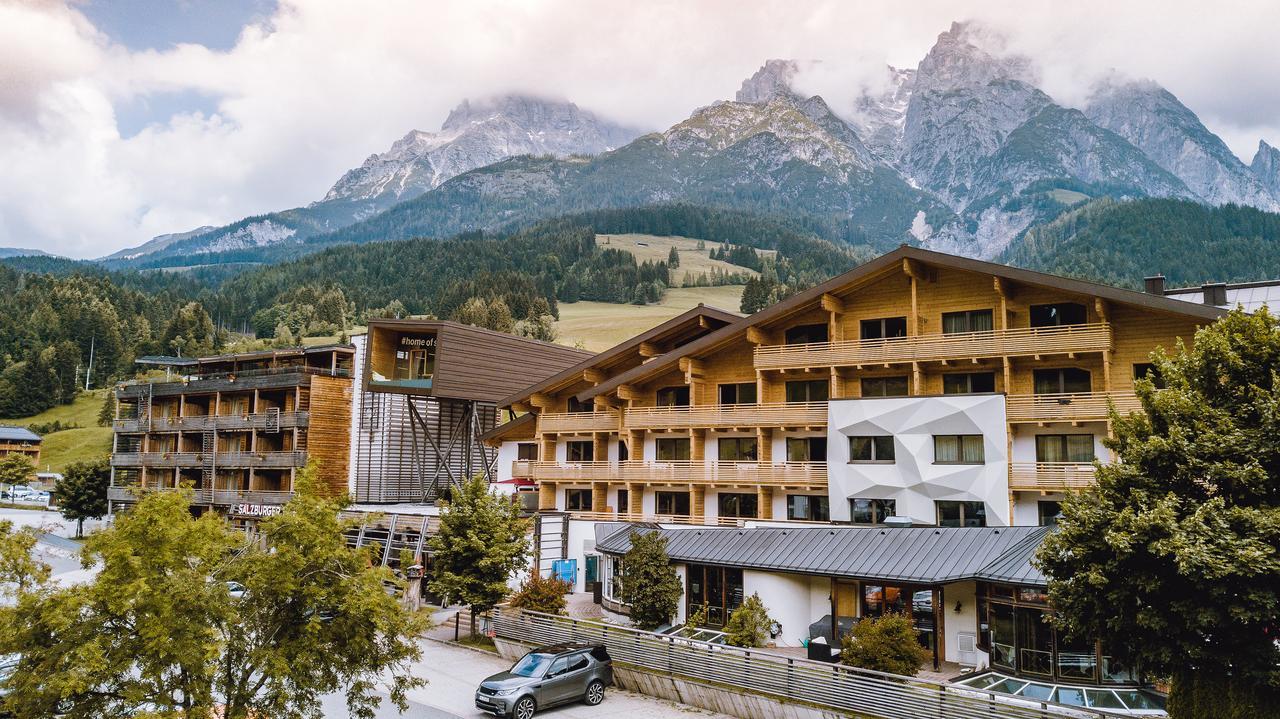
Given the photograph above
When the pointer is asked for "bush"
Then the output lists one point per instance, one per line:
(539, 594)
(649, 585)
(749, 624)
(885, 644)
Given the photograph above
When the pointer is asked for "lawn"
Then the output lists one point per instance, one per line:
(655, 248)
(84, 412)
(61, 448)
(601, 325)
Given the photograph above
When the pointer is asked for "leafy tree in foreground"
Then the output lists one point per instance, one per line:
(82, 492)
(542, 594)
(158, 631)
(884, 644)
(19, 570)
(480, 545)
(748, 625)
(649, 584)
(1175, 553)
(16, 468)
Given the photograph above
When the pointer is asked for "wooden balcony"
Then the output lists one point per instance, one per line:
(1020, 342)
(205, 496)
(1049, 476)
(196, 460)
(578, 422)
(202, 423)
(791, 475)
(1078, 407)
(779, 414)
(659, 518)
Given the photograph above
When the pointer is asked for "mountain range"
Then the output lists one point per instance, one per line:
(962, 153)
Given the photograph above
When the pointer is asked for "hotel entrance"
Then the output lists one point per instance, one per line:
(867, 599)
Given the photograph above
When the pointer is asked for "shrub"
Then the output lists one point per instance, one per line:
(649, 585)
(885, 644)
(542, 594)
(749, 624)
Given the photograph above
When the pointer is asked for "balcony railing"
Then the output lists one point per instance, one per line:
(800, 475)
(1020, 342)
(658, 518)
(1081, 406)
(578, 422)
(244, 380)
(236, 460)
(200, 423)
(206, 496)
(1050, 476)
(779, 414)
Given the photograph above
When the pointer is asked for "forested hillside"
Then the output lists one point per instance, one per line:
(1119, 243)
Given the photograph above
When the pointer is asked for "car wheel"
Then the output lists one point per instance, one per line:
(523, 709)
(595, 693)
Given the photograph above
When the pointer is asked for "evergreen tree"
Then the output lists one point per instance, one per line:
(673, 258)
(749, 624)
(1173, 556)
(190, 333)
(885, 644)
(649, 584)
(82, 491)
(542, 594)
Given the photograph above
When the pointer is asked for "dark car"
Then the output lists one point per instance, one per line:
(547, 677)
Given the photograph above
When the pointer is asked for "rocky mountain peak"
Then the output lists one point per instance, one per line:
(880, 112)
(771, 81)
(1266, 167)
(971, 55)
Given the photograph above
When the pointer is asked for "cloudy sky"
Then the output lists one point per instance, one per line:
(124, 119)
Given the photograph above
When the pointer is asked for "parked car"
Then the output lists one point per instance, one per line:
(547, 677)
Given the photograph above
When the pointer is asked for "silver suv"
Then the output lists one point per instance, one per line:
(546, 677)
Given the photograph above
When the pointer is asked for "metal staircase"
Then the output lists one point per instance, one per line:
(272, 423)
(208, 453)
(144, 406)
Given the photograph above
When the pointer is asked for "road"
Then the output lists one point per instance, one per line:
(453, 673)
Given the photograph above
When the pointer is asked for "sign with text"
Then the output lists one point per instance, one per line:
(255, 510)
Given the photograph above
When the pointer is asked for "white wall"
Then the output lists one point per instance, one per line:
(786, 597)
(1026, 507)
(357, 396)
(913, 480)
(964, 621)
(506, 455)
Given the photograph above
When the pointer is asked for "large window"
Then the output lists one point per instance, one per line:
(884, 386)
(580, 451)
(1048, 510)
(1064, 380)
(672, 397)
(1064, 448)
(527, 451)
(967, 321)
(871, 511)
(415, 364)
(805, 334)
(884, 328)
(961, 514)
(624, 501)
(738, 504)
(577, 500)
(737, 449)
(878, 448)
(738, 393)
(806, 449)
(715, 591)
(1062, 313)
(958, 449)
(673, 503)
(812, 390)
(576, 405)
(672, 449)
(969, 382)
(808, 507)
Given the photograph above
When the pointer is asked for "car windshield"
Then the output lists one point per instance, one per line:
(532, 665)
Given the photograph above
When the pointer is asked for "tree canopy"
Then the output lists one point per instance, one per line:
(649, 584)
(82, 491)
(1173, 557)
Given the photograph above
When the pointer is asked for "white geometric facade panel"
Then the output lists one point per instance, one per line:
(913, 480)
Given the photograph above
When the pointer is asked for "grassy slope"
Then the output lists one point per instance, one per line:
(601, 325)
(654, 248)
(61, 448)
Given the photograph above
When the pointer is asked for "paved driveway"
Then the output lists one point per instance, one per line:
(453, 674)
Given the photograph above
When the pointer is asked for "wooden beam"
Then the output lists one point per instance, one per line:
(831, 303)
(593, 376)
(649, 349)
(627, 392)
(757, 336)
(691, 367)
(540, 400)
(918, 270)
(1102, 308)
(1003, 287)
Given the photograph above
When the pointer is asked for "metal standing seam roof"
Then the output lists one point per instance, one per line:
(916, 555)
(9, 433)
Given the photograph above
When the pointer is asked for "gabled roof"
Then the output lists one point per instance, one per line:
(670, 327)
(916, 555)
(9, 433)
(511, 429)
(886, 262)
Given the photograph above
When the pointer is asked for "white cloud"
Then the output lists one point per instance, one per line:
(316, 88)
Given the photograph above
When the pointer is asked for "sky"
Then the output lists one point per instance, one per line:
(124, 119)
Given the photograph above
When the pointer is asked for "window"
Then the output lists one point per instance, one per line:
(961, 514)
(557, 667)
(813, 390)
(580, 451)
(969, 383)
(716, 591)
(805, 334)
(624, 452)
(624, 500)
(527, 451)
(1065, 380)
(1064, 448)
(577, 500)
(808, 507)
(1049, 511)
(672, 397)
(577, 662)
(737, 449)
(575, 405)
(871, 511)
(871, 449)
(738, 393)
(884, 386)
(1147, 370)
(738, 504)
(958, 449)
(968, 321)
(673, 503)
(806, 449)
(672, 449)
(882, 329)
(1063, 313)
